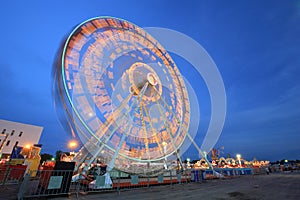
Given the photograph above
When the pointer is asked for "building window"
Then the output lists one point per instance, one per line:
(7, 143)
(17, 142)
(12, 133)
(3, 131)
(20, 133)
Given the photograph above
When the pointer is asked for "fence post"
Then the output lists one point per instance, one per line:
(186, 175)
(171, 176)
(23, 186)
(8, 171)
(148, 179)
(119, 176)
(77, 185)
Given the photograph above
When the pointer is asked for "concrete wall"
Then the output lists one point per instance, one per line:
(23, 134)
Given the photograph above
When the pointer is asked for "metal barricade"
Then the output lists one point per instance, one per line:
(48, 182)
(45, 183)
(11, 174)
(10, 178)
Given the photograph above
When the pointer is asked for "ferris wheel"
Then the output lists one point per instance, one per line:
(123, 96)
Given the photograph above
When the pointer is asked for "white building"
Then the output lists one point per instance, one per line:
(17, 134)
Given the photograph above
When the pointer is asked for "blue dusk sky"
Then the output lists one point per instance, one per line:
(255, 45)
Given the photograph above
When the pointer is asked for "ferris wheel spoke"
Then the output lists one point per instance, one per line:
(199, 150)
(80, 157)
(168, 108)
(170, 135)
(137, 101)
(91, 145)
(166, 125)
(113, 160)
(166, 105)
(187, 132)
(102, 145)
(179, 122)
(145, 130)
(152, 129)
(113, 117)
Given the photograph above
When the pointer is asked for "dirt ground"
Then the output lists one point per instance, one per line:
(273, 186)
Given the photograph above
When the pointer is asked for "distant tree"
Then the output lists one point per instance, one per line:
(58, 154)
(282, 162)
(45, 157)
(292, 162)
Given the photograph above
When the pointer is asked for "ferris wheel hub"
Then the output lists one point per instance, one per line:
(141, 74)
(152, 79)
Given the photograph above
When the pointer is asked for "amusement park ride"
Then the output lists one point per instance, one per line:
(123, 96)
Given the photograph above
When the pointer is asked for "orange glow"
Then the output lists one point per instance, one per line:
(27, 146)
(72, 144)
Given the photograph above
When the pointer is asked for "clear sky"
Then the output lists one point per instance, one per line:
(255, 45)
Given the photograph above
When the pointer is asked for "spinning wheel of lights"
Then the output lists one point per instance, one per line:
(123, 95)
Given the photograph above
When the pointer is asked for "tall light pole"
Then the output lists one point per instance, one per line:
(188, 163)
(205, 158)
(165, 150)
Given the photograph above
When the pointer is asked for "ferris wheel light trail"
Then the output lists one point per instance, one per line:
(166, 125)
(187, 133)
(122, 95)
(114, 116)
(168, 128)
(152, 129)
(113, 160)
(138, 100)
(98, 149)
(91, 142)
